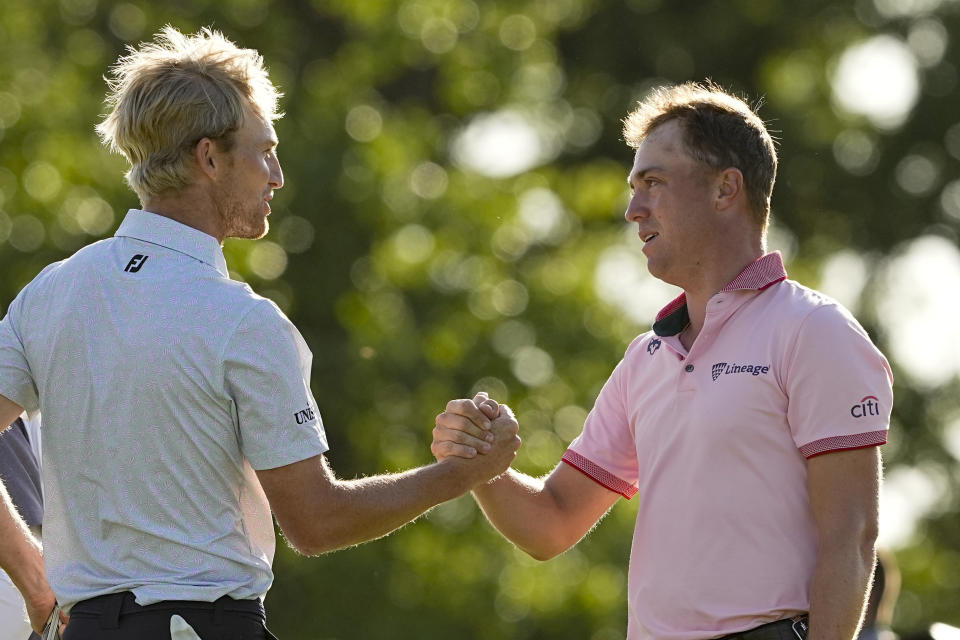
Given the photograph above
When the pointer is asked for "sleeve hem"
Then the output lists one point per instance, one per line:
(842, 443)
(28, 403)
(272, 460)
(598, 474)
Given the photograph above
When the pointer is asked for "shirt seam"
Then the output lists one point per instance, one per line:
(795, 342)
(221, 356)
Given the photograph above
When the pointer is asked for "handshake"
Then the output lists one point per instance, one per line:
(478, 437)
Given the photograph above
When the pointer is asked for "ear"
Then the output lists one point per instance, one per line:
(207, 157)
(730, 188)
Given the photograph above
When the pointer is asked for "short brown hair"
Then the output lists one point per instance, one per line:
(719, 129)
(171, 93)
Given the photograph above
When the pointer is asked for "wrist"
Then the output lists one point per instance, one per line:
(457, 475)
(482, 488)
(467, 475)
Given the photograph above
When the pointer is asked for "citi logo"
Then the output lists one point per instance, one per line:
(653, 345)
(722, 369)
(868, 406)
(136, 263)
(305, 415)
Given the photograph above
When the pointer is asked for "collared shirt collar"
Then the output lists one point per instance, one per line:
(763, 272)
(166, 232)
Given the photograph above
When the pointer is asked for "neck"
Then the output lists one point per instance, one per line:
(190, 207)
(712, 276)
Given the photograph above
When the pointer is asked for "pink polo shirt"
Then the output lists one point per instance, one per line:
(715, 441)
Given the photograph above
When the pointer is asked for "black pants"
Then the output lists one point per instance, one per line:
(790, 629)
(118, 617)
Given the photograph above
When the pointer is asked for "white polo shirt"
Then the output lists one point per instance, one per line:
(163, 385)
(714, 443)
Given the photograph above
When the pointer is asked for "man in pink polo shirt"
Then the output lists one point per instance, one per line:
(746, 422)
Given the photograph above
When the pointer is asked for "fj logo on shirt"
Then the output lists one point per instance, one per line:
(722, 369)
(868, 406)
(136, 262)
(653, 345)
(305, 415)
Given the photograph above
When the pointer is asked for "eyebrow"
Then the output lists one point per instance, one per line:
(640, 174)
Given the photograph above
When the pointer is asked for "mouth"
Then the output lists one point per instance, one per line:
(648, 237)
(266, 202)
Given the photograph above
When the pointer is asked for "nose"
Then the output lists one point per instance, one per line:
(276, 173)
(635, 209)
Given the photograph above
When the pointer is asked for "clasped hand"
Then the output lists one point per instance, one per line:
(480, 429)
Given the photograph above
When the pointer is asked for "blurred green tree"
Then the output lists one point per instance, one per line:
(451, 222)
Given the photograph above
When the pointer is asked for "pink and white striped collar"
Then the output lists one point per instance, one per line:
(763, 272)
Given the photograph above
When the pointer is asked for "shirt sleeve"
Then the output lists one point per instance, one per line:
(267, 373)
(16, 379)
(605, 450)
(839, 385)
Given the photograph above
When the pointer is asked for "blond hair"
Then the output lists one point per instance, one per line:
(719, 129)
(171, 93)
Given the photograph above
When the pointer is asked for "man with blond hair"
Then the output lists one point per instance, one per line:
(746, 421)
(177, 403)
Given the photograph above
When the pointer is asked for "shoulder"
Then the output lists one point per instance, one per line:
(69, 266)
(263, 325)
(824, 334)
(261, 309)
(638, 355)
(645, 343)
(792, 303)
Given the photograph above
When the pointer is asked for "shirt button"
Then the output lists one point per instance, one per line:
(688, 368)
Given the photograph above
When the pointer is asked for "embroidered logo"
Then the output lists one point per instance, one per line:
(305, 415)
(653, 345)
(722, 369)
(868, 406)
(136, 262)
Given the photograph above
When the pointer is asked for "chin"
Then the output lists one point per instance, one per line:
(256, 232)
(660, 272)
(249, 227)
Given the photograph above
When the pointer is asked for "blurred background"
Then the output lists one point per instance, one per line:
(452, 221)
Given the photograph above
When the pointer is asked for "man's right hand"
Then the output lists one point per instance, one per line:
(463, 430)
(500, 449)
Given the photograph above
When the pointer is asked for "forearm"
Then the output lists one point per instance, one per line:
(844, 491)
(525, 512)
(839, 590)
(20, 554)
(521, 509)
(356, 511)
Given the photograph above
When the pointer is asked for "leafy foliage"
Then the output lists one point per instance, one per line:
(416, 277)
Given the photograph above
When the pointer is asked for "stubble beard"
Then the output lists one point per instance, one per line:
(243, 221)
